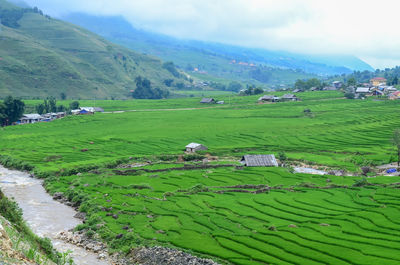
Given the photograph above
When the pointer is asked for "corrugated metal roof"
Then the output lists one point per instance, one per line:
(207, 100)
(193, 145)
(289, 96)
(33, 116)
(266, 97)
(260, 161)
(362, 90)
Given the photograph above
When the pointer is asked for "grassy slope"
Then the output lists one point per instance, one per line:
(46, 57)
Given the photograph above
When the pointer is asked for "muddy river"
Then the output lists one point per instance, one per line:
(45, 216)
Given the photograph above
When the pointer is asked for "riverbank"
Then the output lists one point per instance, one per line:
(18, 244)
(46, 217)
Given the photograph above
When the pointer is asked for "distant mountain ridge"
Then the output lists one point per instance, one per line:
(185, 52)
(41, 56)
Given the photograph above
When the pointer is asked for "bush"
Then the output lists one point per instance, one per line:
(193, 157)
(282, 156)
(349, 95)
(361, 183)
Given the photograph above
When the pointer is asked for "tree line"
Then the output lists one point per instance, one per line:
(10, 17)
(50, 105)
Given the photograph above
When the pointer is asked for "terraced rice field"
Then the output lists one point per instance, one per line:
(234, 215)
(206, 212)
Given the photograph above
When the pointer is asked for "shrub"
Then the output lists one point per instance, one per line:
(282, 156)
(193, 157)
(361, 183)
(349, 95)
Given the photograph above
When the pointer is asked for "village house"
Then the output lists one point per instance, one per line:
(377, 81)
(394, 95)
(30, 118)
(290, 97)
(207, 100)
(377, 92)
(297, 90)
(330, 88)
(194, 147)
(337, 84)
(81, 112)
(362, 91)
(269, 98)
(259, 161)
(92, 109)
(389, 89)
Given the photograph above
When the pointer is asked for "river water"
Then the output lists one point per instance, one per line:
(45, 216)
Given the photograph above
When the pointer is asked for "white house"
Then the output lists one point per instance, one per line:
(30, 118)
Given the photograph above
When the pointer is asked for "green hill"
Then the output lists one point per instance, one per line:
(41, 56)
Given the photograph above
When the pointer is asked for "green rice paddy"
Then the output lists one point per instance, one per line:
(234, 215)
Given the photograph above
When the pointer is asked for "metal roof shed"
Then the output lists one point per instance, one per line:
(259, 161)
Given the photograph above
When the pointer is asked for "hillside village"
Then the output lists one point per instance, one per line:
(47, 117)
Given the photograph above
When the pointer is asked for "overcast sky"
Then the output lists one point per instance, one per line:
(364, 28)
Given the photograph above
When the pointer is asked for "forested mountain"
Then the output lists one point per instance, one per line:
(41, 56)
(220, 59)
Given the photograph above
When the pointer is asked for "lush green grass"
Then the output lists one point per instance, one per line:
(199, 210)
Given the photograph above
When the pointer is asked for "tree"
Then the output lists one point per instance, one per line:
(168, 82)
(40, 109)
(46, 106)
(63, 96)
(52, 104)
(170, 67)
(349, 95)
(61, 108)
(234, 86)
(313, 82)
(3, 116)
(145, 91)
(14, 109)
(74, 105)
(395, 81)
(396, 142)
(351, 81)
(300, 84)
(257, 91)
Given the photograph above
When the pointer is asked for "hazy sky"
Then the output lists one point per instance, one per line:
(364, 28)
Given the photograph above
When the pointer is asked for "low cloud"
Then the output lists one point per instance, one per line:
(366, 29)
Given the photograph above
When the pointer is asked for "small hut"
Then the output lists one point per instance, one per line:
(289, 97)
(259, 161)
(194, 147)
(207, 100)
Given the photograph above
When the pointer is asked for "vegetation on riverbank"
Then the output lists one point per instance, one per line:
(20, 243)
